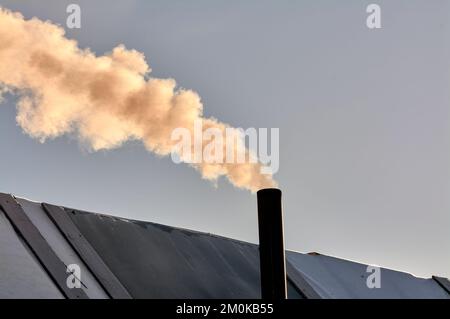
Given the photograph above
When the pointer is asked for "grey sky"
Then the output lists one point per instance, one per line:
(364, 118)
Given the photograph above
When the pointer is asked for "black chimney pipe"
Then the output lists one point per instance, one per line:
(271, 244)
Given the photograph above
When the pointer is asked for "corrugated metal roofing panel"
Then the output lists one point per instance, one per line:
(155, 261)
(21, 276)
(337, 278)
(298, 280)
(43, 252)
(61, 247)
(106, 278)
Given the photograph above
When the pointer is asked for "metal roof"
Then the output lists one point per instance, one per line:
(331, 277)
(17, 263)
(122, 258)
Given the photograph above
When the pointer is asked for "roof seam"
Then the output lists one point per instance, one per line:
(45, 255)
(444, 283)
(110, 283)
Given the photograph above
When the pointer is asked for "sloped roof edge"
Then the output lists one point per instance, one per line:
(178, 262)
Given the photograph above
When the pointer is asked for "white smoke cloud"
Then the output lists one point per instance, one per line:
(103, 100)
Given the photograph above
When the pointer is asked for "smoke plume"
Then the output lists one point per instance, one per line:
(103, 100)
